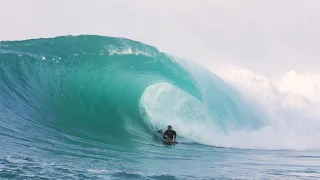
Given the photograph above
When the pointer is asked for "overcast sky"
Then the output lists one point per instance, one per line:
(270, 37)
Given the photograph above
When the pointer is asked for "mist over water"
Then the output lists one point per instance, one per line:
(290, 102)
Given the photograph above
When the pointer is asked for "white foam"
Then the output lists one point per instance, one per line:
(127, 50)
(292, 103)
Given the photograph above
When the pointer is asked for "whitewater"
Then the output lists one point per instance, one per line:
(88, 107)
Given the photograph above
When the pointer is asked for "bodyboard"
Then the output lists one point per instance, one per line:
(170, 143)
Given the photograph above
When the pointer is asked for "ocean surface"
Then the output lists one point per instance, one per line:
(87, 107)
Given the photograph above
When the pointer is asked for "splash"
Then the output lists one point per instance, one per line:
(291, 104)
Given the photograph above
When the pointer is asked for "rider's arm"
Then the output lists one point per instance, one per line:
(165, 135)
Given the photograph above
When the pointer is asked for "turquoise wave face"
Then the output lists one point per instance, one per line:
(102, 92)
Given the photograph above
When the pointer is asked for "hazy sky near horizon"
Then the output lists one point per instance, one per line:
(269, 36)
